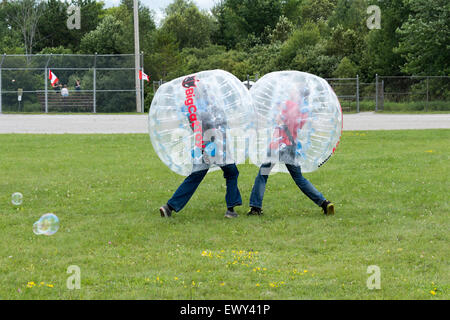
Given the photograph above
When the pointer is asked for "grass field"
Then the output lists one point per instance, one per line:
(390, 189)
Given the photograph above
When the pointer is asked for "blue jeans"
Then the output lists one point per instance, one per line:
(185, 191)
(305, 186)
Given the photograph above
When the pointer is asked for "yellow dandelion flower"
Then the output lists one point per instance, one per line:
(222, 284)
(175, 278)
(257, 284)
(305, 271)
(50, 285)
(433, 292)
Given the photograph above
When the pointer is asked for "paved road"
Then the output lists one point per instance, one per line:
(20, 123)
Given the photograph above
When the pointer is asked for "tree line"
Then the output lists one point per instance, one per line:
(329, 38)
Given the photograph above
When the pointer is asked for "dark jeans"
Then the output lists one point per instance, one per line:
(305, 186)
(185, 191)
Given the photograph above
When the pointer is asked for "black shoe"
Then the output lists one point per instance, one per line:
(328, 208)
(231, 214)
(255, 211)
(165, 211)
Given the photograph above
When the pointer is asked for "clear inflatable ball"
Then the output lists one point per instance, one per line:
(199, 121)
(299, 120)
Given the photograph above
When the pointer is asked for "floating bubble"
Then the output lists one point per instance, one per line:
(299, 119)
(47, 225)
(17, 198)
(198, 121)
(36, 228)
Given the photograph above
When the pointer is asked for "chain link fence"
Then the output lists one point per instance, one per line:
(412, 93)
(107, 85)
(385, 93)
(95, 83)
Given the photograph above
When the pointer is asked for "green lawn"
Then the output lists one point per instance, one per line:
(390, 189)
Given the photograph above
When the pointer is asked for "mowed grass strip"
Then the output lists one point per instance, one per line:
(390, 189)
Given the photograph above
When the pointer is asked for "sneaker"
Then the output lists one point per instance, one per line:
(255, 211)
(231, 214)
(328, 208)
(165, 211)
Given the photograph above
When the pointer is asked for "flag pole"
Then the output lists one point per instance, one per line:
(137, 56)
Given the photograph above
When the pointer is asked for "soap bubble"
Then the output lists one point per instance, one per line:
(299, 119)
(36, 228)
(47, 225)
(17, 198)
(198, 121)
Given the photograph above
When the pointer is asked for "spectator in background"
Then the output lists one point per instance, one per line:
(57, 87)
(65, 91)
(78, 85)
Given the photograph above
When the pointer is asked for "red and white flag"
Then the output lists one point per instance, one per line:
(142, 75)
(53, 78)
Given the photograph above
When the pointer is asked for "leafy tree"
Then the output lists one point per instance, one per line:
(165, 59)
(52, 29)
(10, 38)
(56, 50)
(282, 30)
(425, 38)
(190, 26)
(264, 58)
(350, 15)
(314, 59)
(24, 15)
(315, 10)
(124, 14)
(302, 38)
(346, 69)
(239, 18)
(108, 37)
(380, 56)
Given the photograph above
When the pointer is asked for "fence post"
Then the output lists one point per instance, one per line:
(426, 106)
(1, 63)
(94, 87)
(376, 92)
(45, 90)
(357, 93)
(382, 95)
(142, 83)
(46, 83)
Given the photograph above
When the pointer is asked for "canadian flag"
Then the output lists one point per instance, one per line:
(53, 78)
(142, 75)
